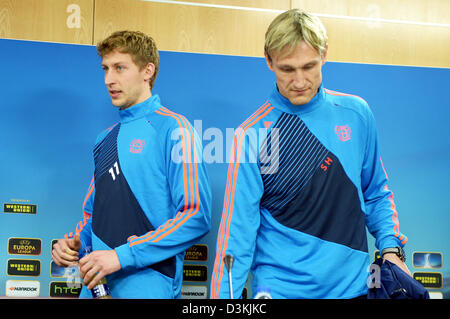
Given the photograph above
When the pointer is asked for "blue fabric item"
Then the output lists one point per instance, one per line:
(396, 284)
(304, 182)
(149, 200)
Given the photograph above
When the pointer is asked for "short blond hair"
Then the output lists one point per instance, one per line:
(291, 27)
(140, 46)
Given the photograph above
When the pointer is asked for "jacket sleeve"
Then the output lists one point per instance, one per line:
(240, 220)
(84, 227)
(191, 196)
(381, 213)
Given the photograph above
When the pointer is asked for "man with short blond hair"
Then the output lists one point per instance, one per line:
(301, 228)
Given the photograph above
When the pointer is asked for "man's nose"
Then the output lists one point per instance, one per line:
(109, 77)
(299, 79)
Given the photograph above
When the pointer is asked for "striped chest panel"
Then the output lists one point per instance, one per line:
(105, 153)
(311, 192)
(117, 213)
(300, 154)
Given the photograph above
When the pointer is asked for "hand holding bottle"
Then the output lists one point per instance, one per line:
(93, 274)
(65, 251)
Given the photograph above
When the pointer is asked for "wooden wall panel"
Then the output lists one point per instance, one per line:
(186, 28)
(432, 11)
(385, 42)
(47, 20)
(264, 4)
(388, 43)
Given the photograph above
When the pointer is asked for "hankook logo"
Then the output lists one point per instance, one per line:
(22, 288)
(193, 292)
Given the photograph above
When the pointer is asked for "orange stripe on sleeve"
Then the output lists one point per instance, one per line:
(90, 190)
(196, 200)
(190, 183)
(233, 168)
(335, 93)
(397, 234)
(218, 261)
(86, 215)
(233, 152)
(384, 170)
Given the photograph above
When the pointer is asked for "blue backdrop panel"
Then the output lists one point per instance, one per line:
(55, 103)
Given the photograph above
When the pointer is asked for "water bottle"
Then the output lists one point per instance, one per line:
(101, 290)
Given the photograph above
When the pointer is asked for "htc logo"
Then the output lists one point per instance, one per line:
(61, 289)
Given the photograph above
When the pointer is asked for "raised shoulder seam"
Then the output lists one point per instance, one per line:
(101, 136)
(356, 103)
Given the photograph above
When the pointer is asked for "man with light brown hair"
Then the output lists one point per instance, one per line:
(301, 228)
(144, 207)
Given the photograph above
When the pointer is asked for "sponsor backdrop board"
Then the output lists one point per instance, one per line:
(54, 104)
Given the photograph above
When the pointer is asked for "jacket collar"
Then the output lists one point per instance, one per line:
(139, 110)
(283, 104)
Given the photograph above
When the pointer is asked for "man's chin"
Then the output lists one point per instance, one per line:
(299, 101)
(117, 103)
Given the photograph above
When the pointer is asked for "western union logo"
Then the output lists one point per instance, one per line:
(195, 272)
(23, 267)
(429, 279)
(19, 208)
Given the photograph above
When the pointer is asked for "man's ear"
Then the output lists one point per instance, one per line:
(324, 55)
(268, 61)
(149, 71)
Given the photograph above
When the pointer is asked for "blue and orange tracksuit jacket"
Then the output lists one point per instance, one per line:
(297, 215)
(149, 200)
